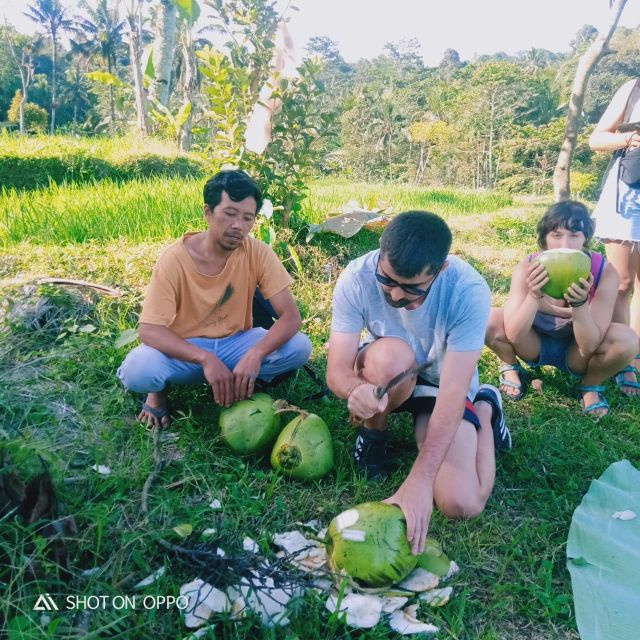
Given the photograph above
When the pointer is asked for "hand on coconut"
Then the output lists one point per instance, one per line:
(218, 375)
(537, 277)
(578, 293)
(245, 374)
(416, 501)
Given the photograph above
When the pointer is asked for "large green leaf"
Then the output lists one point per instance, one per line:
(189, 10)
(603, 556)
(104, 77)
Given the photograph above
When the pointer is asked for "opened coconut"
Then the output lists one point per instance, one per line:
(304, 449)
(564, 267)
(250, 426)
(370, 543)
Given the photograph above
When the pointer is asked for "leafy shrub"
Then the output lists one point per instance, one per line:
(35, 117)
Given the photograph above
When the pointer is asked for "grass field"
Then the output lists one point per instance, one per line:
(59, 399)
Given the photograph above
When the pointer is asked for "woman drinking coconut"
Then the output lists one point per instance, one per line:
(575, 333)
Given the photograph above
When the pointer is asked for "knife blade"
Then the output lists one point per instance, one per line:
(401, 377)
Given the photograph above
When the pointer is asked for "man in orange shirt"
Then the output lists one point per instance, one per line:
(196, 321)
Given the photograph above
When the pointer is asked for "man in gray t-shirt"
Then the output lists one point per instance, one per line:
(411, 303)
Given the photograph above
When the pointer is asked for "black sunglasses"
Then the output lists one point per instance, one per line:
(407, 288)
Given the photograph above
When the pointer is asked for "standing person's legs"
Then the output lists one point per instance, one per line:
(625, 257)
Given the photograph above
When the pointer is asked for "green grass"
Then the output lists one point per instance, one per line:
(59, 399)
(34, 162)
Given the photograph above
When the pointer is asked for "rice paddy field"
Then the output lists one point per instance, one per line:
(63, 410)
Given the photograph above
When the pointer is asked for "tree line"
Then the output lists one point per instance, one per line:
(497, 121)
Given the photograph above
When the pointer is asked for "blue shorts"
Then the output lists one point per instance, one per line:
(553, 352)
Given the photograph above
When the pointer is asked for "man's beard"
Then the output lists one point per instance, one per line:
(397, 304)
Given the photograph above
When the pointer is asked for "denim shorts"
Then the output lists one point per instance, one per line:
(553, 352)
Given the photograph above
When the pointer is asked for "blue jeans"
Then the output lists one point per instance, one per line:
(147, 370)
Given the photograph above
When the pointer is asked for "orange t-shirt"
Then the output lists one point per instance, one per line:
(192, 304)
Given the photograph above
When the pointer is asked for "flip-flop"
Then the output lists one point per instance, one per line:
(156, 413)
(521, 387)
(601, 404)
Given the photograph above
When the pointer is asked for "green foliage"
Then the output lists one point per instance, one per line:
(35, 117)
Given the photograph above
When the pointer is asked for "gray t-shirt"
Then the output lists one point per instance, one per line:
(453, 317)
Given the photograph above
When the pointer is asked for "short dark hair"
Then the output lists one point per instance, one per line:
(414, 241)
(237, 184)
(568, 214)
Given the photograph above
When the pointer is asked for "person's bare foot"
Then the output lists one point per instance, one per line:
(154, 411)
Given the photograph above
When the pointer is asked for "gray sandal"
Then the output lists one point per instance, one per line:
(521, 387)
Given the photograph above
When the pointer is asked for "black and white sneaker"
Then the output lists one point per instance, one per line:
(501, 435)
(371, 453)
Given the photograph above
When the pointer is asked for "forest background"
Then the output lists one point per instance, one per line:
(496, 122)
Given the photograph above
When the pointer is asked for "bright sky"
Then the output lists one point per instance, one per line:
(362, 27)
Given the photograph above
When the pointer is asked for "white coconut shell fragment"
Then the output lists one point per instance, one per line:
(269, 602)
(355, 535)
(406, 622)
(204, 599)
(437, 597)
(215, 504)
(250, 545)
(393, 603)
(150, 579)
(292, 541)
(420, 580)
(624, 515)
(453, 569)
(361, 612)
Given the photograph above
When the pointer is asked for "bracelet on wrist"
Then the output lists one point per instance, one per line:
(573, 305)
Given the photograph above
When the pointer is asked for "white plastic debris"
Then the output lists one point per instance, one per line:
(150, 579)
(362, 612)
(250, 545)
(393, 603)
(624, 515)
(437, 597)
(204, 599)
(406, 622)
(216, 504)
(102, 469)
(420, 580)
(220, 552)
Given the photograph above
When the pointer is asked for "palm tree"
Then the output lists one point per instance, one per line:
(51, 15)
(102, 33)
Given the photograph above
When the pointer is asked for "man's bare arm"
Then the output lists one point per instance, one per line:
(415, 495)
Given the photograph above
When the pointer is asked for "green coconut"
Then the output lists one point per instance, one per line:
(564, 266)
(433, 558)
(250, 426)
(304, 449)
(370, 543)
